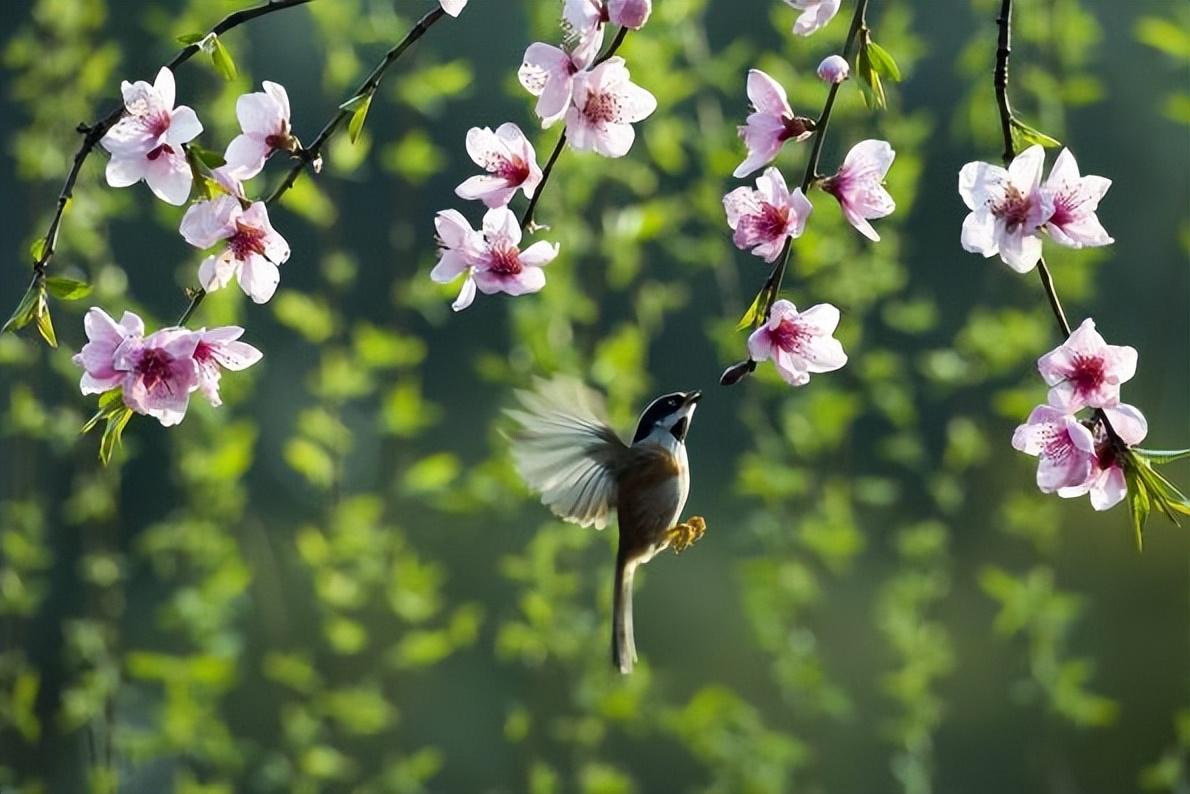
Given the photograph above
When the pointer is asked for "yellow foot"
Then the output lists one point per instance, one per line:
(684, 535)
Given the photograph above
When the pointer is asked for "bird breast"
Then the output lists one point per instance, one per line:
(652, 489)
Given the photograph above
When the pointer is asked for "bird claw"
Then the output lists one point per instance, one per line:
(684, 535)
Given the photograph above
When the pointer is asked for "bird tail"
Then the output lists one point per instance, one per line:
(623, 642)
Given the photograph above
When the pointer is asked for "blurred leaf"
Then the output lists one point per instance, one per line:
(1024, 136)
(1160, 457)
(67, 289)
(1163, 35)
(221, 57)
(882, 62)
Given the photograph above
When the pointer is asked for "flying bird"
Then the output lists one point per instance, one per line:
(565, 450)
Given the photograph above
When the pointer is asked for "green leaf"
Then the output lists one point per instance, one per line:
(45, 326)
(191, 38)
(211, 159)
(221, 57)
(117, 420)
(109, 402)
(1138, 504)
(67, 289)
(37, 249)
(869, 80)
(1024, 136)
(882, 62)
(753, 316)
(1160, 457)
(356, 102)
(25, 312)
(358, 115)
(1163, 35)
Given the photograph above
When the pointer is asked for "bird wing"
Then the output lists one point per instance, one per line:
(565, 450)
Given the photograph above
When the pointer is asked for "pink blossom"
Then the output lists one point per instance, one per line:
(159, 373)
(584, 17)
(264, 119)
(458, 245)
(834, 69)
(764, 218)
(771, 123)
(606, 103)
(97, 358)
(815, 14)
(453, 7)
(492, 261)
(253, 252)
(146, 143)
(509, 160)
(548, 73)
(800, 344)
(1008, 208)
(1106, 484)
(1064, 446)
(1075, 199)
(629, 13)
(219, 349)
(859, 185)
(1085, 371)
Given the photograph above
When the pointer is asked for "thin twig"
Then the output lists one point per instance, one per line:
(772, 285)
(93, 133)
(527, 217)
(311, 153)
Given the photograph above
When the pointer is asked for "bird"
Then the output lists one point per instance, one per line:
(565, 450)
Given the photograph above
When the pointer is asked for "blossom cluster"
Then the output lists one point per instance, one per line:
(1011, 207)
(598, 102)
(157, 373)
(767, 218)
(1083, 456)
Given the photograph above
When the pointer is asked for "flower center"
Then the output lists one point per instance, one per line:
(1088, 373)
(1057, 445)
(505, 261)
(602, 108)
(795, 127)
(1066, 209)
(1014, 209)
(246, 241)
(769, 223)
(164, 148)
(790, 336)
(513, 169)
(154, 368)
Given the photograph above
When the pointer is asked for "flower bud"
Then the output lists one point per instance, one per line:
(629, 13)
(833, 69)
(737, 372)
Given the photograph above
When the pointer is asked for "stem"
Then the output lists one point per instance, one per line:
(93, 133)
(772, 285)
(527, 217)
(310, 154)
(1000, 79)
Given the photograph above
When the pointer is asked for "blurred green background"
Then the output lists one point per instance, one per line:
(336, 583)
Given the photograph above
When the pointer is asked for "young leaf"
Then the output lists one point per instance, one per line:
(869, 80)
(221, 57)
(752, 317)
(882, 62)
(67, 289)
(191, 38)
(1024, 136)
(358, 115)
(117, 420)
(45, 326)
(25, 312)
(211, 159)
(1160, 457)
(37, 249)
(109, 402)
(1138, 504)
(355, 103)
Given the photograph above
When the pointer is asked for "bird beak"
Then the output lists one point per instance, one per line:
(693, 397)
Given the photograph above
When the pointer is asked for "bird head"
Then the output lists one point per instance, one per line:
(668, 415)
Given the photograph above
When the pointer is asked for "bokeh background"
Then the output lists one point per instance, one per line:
(336, 583)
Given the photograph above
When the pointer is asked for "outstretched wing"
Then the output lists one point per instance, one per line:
(565, 450)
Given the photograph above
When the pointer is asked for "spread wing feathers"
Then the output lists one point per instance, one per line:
(565, 450)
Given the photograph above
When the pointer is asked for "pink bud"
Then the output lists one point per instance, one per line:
(834, 69)
(629, 13)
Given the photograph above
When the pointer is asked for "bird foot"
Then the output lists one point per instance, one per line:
(686, 534)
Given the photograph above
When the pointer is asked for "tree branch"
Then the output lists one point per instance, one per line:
(311, 153)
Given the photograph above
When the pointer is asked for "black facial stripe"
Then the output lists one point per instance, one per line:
(680, 428)
(663, 406)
